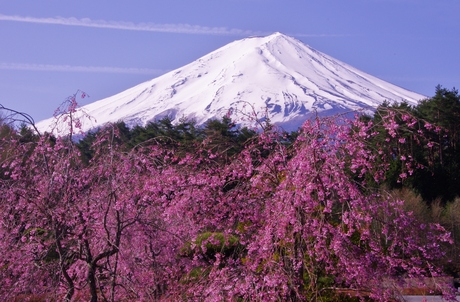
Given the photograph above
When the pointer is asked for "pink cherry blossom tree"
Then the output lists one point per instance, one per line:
(277, 221)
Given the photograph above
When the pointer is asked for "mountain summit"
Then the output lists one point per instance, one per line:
(276, 75)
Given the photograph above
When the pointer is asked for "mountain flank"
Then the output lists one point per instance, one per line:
(275, 76)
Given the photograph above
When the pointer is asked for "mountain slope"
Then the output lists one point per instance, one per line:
(277, 74)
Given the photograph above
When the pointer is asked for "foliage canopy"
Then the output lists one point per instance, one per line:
(227, 214)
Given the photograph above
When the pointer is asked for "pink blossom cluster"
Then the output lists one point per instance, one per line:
(276, 222)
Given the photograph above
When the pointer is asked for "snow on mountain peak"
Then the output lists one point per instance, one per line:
(276, 74)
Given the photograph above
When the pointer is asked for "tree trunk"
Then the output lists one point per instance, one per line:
(92, 282)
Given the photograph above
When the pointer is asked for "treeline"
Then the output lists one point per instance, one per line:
(437, 155)
(436, 177)
(437, 119)
(218, 135)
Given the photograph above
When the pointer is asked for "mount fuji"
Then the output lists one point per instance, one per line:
(275, 76)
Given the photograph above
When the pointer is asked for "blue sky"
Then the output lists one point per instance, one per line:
(51, 48)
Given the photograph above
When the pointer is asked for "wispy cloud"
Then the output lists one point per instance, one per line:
(70, 68)
(152, 27)
(165, 28)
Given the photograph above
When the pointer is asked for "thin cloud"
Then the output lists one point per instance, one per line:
(152, 27)
(164, 28)
(70, 68)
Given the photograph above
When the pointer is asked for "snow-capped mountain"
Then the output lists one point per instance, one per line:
(275, 75)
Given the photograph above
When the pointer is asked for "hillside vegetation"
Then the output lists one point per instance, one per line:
(341, 209)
